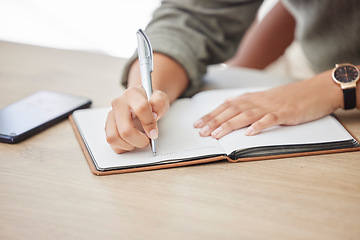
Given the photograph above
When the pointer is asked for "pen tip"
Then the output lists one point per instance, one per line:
(153, 146)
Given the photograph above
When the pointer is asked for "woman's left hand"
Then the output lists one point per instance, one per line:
(290, 104)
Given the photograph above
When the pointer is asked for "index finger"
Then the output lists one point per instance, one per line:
(142, 109)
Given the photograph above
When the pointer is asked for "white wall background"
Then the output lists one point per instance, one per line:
(106, 26)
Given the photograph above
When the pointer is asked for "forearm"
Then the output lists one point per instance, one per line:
(358, 92)
(265, 41)
(168, 76)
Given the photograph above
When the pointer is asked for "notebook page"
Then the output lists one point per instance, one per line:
(177, 140)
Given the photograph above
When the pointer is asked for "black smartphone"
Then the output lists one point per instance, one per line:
(35, 113)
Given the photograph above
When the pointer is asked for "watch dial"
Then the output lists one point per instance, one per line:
(346, 74)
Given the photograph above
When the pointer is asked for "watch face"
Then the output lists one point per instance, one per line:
(346, 73)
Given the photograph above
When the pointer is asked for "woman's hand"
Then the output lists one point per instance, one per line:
(133, 119)
(291, 104)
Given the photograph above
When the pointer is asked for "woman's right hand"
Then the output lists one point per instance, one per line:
(133, 119)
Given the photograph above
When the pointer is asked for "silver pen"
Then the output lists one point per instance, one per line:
(145, 55)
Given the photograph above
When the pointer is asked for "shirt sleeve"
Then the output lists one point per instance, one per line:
(197, 33)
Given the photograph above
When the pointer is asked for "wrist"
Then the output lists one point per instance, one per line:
(335, 92)
(135, 80)
(327, 90)
(168, 76)
(134, 76)
(358, 92)
(358, 98)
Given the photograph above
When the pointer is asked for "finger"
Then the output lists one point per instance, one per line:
(113, 137)
(125, 125)
(239, 121)
(269, 120)
(218, 120)
(240, 102)
(142, 109)
(200, 123)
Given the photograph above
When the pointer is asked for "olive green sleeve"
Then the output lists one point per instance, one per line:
(197, 33)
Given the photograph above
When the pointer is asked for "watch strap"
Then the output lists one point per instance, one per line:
(349, 98)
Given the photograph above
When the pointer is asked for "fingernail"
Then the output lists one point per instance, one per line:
(205, 130)
(249, 131)
(153, 134)
(198, 123)
(216, 132)
(155, 115)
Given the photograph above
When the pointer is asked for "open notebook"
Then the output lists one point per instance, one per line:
(179, 143)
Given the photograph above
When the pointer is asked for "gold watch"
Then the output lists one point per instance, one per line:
(347, 76)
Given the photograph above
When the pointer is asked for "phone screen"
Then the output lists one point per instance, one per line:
(37, 112)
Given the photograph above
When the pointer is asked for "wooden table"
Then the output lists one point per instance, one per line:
(48, 192)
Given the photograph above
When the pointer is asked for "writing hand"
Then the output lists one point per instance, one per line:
(133, 119)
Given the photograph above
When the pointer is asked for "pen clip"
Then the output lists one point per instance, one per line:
(145, 51)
